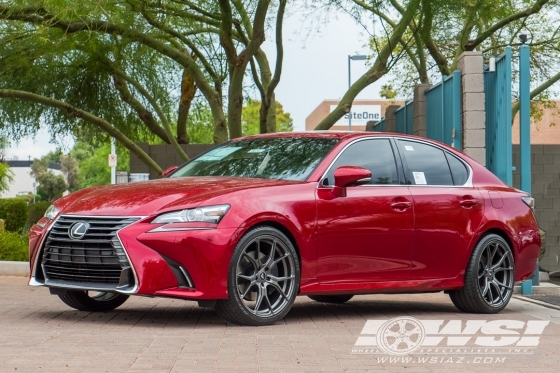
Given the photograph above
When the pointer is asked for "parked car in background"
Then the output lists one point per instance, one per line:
(251, 224)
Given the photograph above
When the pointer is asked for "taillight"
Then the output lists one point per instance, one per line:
(529, 201)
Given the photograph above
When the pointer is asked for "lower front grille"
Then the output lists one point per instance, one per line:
(86, 252)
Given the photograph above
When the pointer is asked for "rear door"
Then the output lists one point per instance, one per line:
(448, 210)
(367, 235)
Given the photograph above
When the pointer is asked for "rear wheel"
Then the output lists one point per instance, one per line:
(338, 299)
(263, 279)
(93, 301)
(489, 278)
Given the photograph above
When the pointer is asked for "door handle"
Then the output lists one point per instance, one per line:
(400, 204)
(468, 202)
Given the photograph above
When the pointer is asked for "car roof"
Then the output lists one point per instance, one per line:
(318, 134)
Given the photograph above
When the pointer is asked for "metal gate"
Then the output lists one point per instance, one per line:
(443, 111)
(497, 89)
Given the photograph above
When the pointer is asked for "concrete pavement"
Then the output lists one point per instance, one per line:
(41, 334)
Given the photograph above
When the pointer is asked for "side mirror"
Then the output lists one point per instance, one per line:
(345, 176)
(169, 171)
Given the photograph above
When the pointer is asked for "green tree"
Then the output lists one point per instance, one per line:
(92, 161)
(116, 64)
(6, 177)
(51, 186)
(252, 119)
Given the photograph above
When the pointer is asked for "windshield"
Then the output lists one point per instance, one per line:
(284, 158)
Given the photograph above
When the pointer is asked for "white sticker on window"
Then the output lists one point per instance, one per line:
(419, 178)
(409, 148)
(218, 154)
(256, 150)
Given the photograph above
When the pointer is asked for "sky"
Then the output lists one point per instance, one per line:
(315, 68)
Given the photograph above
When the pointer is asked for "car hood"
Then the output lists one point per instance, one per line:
(155, 196)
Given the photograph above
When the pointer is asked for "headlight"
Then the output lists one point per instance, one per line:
(51, 212)
(208, 214)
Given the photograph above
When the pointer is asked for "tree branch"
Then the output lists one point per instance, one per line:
(84, 115)
(472, 44)
(535, 92)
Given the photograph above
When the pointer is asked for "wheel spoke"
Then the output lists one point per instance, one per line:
(396, 343)
(486, 287)
(259, 299)
(499, 262)
(278, 279)
(416, 330)
(253, 262)
(498, 290)
(270, 259)
(277, 287)
(258, 258)
(248, 278)
(402, 326)
(492, 254)
(390, 333)
(503, 269)
(268, 302)
(279, 259)
(247, 290)
(502, 284)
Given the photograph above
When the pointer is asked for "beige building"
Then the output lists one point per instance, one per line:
(362, 112)
(546, 130)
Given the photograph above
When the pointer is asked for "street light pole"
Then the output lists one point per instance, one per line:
(357, 57)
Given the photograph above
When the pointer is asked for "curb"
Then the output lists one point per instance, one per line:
(537, 302)
(14, 268)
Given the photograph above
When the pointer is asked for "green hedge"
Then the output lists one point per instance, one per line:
(35, 212)
(14, 246)
(14, 213)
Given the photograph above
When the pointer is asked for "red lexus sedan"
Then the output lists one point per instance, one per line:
(251, 224)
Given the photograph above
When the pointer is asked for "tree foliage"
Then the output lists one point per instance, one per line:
(132, 69)
(51, 186)
(6, 177)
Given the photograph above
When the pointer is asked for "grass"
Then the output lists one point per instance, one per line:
(14, 246)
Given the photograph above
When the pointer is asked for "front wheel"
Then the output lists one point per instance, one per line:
(93, 301)
(263, 279)
(489, 278)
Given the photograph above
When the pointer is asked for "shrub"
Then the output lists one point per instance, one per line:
(14, 246)
(36, 212)
(14, 213)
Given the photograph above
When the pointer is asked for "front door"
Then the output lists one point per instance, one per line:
(367, 235)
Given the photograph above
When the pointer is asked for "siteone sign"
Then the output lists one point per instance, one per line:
(360, 114)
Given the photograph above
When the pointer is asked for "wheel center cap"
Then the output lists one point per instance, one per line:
(262, 276)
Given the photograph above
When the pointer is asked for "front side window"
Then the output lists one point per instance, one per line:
(375, 155)
(427, 165)
(284, 158)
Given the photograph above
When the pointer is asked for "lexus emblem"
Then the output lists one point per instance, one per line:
(78, 230)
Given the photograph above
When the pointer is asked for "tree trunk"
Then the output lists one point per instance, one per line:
(188, 90)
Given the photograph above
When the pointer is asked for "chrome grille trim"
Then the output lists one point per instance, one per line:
(98, 261)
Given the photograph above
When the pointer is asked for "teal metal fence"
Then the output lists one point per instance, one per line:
(443, 111)
(380, 126)
(403, 118)
(497, 89)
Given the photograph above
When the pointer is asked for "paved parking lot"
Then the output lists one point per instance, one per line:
(40, 334)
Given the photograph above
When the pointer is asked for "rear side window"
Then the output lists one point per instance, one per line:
(427, 165)
(459, 171)
(375, 155)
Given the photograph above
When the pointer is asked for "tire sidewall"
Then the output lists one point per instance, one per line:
(233, 294)
(473, 271)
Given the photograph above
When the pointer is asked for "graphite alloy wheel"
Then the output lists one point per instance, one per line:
(93, 301)
(489, 278)
(263, 279)
(338, 299)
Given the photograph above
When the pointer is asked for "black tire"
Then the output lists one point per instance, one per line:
(489, 278)
(98, 302)
(263, 279)
(337, 299)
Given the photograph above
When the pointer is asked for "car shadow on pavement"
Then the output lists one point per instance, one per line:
(184, 314)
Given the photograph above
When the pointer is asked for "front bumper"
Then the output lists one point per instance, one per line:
(190, 264)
